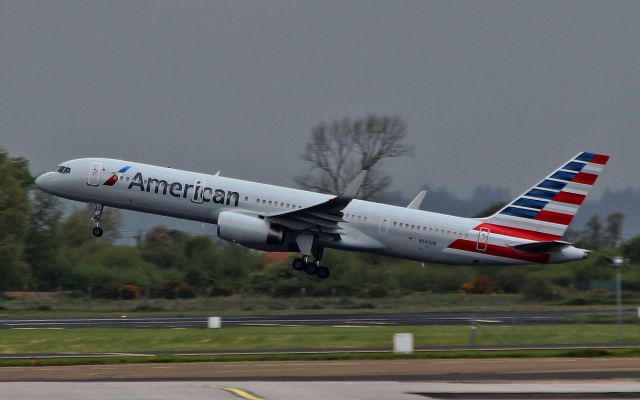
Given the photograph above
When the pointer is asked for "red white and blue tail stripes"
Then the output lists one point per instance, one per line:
(540, 214)
(549, 207)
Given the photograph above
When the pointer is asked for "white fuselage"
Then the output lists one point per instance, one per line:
(370, 227)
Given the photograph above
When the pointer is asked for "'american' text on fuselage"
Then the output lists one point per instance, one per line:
(198, 193)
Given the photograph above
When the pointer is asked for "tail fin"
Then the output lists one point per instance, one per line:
(545, 211)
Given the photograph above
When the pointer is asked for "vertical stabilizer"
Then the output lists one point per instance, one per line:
(545, 210)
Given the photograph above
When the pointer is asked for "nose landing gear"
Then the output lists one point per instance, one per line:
(97, 215)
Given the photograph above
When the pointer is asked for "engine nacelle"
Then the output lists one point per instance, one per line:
(248, 229)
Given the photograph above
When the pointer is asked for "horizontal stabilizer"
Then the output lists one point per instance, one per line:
(542, 247)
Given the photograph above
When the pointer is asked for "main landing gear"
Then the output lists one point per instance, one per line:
(97, 215)
(312, 268)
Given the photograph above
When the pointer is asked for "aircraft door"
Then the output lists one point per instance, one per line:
(384, 225)
(483, 238)
(94, 174)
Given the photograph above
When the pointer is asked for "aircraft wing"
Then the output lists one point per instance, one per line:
(322, 217)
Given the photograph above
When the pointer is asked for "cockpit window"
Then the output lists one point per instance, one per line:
(61, 169)
(64, 170)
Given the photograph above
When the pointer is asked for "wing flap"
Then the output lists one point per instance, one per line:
(332, 218)
(323, 217)
(294, 224)
(316, 221)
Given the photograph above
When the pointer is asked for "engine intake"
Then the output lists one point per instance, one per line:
(248, 229)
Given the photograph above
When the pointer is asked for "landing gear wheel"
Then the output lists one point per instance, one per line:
(323, 272)
(310, 268)
(97, 216)
(298, 264)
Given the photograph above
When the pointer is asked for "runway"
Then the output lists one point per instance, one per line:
(381, 390)
(413, 319)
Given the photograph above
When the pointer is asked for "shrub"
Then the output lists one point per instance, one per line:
(173, 289)
(147, 308)
(482, 285)
(314, 306)
(377, 291)
(578, 301)
(129, 292)
(222, 290)
(537, 288)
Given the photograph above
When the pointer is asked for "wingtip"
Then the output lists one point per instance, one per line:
(352, 188)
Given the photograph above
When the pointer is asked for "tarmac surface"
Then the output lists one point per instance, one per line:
(382, 390)
(494, 369)
(414, 319)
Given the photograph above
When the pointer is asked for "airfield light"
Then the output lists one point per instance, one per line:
(618, 262)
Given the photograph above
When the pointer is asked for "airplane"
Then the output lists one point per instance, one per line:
(527, 230)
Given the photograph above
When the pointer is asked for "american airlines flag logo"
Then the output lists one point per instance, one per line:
(541, 214)
(114, 177)
(557, 198)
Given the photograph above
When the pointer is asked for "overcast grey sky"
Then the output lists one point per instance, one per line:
(494, 92)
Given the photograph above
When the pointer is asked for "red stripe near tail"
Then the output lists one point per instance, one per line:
(518, 232)
(500, 251)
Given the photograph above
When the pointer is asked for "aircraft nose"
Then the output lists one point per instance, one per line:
(42, 182)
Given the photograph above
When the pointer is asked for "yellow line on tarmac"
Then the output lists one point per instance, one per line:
(240, 393)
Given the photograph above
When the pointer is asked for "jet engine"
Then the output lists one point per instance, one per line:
(248, 230)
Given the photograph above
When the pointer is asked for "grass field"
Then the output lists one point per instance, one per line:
(283, 338)
(256, 305)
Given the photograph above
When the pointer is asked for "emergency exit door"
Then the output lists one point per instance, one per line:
(384, 225)
(483, 238)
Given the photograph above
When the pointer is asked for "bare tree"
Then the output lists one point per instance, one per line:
(339, 150)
